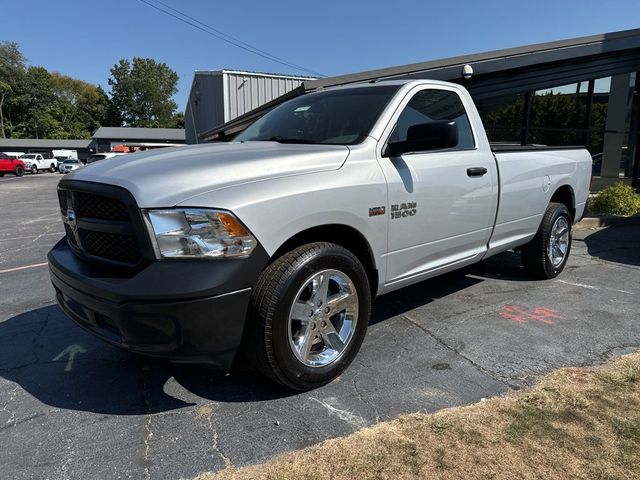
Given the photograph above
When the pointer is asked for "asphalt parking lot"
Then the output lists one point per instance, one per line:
(74, 407)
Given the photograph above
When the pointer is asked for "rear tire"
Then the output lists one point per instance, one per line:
(308, 316)
(19, 171)
(546, 254)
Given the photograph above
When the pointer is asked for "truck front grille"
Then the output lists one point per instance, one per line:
(96, 206)
(122, 248)
(103, 225)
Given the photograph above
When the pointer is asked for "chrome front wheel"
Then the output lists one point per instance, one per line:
(323, 318)
(308, 315)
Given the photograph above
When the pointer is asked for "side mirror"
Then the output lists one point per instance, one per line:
(426, 136)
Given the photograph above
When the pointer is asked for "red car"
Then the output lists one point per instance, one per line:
(9, 164)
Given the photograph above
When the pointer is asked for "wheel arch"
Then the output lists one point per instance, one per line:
(565, 195)
(344, 235)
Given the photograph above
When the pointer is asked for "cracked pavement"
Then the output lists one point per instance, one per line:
(74, 407)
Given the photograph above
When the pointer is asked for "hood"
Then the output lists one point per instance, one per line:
(168, 176)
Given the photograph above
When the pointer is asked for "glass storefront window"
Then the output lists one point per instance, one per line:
(598, 114)
(557, 115)
(502, 118)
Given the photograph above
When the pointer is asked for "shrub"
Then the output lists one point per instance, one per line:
(617, 199)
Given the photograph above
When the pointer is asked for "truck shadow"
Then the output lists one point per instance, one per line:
(63, 366)
(615, 244)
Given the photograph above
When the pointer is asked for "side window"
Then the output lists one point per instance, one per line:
(435, 105)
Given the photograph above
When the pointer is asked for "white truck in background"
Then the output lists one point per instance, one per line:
(64, 154)
(35, 162)
(276, 243)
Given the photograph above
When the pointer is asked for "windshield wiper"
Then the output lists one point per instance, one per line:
(280, 139)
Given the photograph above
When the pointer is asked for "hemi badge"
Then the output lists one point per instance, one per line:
(373, 211)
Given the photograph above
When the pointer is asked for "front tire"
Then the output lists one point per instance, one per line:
(52, 168)
(19, 171)
(308, 316)
(34, 169)
(547, 253)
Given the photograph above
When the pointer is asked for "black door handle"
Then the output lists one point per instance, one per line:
(476, 171)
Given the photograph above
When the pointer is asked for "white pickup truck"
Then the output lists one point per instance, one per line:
(35, 163)
(275, 244)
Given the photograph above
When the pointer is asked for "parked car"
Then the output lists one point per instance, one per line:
(11, 164)
(102, 156)
(69, 166)
(279, 240)
(35, 163)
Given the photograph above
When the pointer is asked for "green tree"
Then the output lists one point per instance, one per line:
(52, 105)
(12, 70)
(81, 107)
(35, 109)
(177, 120)
(141, 91)
(112, 117)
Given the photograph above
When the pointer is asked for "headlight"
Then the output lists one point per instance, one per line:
(199, 233)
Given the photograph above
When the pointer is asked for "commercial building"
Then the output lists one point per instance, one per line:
(216, 97)
(103, 140)
(46, 146)
(106, 138)
(581, 91)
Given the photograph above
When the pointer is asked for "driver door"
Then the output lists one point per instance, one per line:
(442, 207)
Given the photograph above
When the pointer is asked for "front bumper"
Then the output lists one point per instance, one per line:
(189, 311)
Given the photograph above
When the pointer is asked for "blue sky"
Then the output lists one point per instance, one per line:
(85, 38)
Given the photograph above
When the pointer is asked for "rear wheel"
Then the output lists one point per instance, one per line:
(546, 255)
(308, 316)
(34, 169)
(19, 171)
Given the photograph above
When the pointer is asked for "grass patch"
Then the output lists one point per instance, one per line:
(578, 423)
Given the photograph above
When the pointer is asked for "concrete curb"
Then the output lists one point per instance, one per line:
(606, 221)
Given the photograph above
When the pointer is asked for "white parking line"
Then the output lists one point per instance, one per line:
(7, 179)
(15, 269)
(591, 287)
(26, 237)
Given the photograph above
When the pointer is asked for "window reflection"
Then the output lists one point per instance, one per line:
(596, 113)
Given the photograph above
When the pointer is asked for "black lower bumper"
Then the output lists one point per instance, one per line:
(186, 311)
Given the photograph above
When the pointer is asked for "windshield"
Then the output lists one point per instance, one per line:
(29, 157)
(337, 117)
(71, 162)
